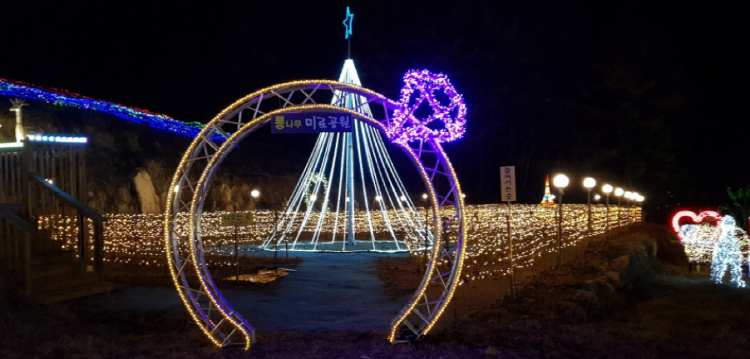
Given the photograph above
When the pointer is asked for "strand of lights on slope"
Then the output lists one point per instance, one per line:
(727, 255)
(67, 98)
(406, 127)
(136, 238)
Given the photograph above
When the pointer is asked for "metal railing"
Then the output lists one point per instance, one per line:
(52, 201)
(15, 249)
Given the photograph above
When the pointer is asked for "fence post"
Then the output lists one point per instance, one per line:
(26, 261)
(98, 245)
(81, 236)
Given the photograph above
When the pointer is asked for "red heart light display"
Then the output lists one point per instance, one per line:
(696, 218)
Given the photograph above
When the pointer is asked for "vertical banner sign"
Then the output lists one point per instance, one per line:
(508, 183)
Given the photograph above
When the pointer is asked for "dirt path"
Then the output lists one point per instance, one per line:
(329, 291)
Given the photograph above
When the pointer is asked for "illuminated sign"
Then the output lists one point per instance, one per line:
(312, 122)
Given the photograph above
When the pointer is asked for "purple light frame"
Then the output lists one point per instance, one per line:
(406, 127)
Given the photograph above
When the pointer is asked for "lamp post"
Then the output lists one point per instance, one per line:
(589, 183)
(607, 189)
(628, 198)
(638, 198)
(560, 181)
(619, 192)
(254, 194)
(424, 202)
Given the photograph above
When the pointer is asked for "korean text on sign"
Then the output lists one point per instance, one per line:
(312, 122)
(508, 183)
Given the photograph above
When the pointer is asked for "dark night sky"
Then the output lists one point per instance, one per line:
(550, 72)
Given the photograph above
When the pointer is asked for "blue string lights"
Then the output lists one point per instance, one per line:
(66, 98)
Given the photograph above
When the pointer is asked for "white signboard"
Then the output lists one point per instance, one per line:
(508, 183)
(237, 219)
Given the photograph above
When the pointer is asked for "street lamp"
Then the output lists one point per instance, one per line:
(589, 183)
(560, 181)
(628, 197)
(255, 194)
(597, 197)
(640, 199)
(619, 192)
(607, 189)
(636, 197)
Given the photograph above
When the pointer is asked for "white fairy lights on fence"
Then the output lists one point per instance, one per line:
(135, 239)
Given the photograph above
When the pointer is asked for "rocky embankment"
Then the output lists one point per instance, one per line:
(602, 280)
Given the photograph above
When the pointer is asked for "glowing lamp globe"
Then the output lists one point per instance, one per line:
(589, 182)
(597, 197)
(619, 191)
(607, 188)
(424, 195)
(255, 193)
(560, 181)
(628, 195)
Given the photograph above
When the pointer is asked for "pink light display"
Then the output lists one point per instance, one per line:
(696, 218)
(446, 121)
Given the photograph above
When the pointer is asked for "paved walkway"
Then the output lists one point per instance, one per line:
(330, 291)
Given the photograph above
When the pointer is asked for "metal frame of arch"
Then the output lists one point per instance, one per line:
(190, 183)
